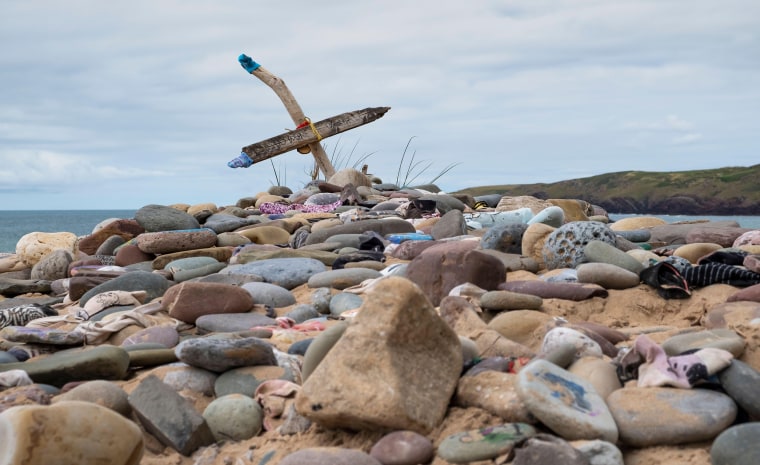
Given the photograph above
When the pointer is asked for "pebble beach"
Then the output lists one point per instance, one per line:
(353, 322)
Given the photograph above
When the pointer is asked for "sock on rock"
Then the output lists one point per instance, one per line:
(241, 161)
(682, 371)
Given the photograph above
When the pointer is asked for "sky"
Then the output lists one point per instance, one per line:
(117, 105)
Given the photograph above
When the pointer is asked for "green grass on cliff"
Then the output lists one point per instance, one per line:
(736, 184)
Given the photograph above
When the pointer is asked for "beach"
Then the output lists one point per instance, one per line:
(351, 322)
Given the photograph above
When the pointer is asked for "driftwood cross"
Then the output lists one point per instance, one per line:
(307, 133)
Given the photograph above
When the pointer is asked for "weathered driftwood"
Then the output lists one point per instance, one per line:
(288, 141)
(298, 116)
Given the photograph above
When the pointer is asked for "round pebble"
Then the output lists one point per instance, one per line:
(234, 417)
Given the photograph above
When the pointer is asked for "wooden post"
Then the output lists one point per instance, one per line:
(292, 106)
(310, 134)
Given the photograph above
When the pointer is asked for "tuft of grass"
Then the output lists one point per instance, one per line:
(277, 172)
(414, 169)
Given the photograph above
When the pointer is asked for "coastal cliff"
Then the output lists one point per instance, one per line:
(722, 191)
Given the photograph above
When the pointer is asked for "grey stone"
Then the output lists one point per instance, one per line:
(382, 227)
(52, 266)
(162, 218)
(344, 302)
(224, 222)
(342, 278)
(484, 443)
(653, 416)
(153, 284)
(544, 448)
(180, 376)
(232, 322)
(57, 369)
(718, 338)
(101, 392)
(302, 312)
(599, 452)
(109, 246)
(221, 354)
(234, 417)
(451, 224)
(171, 418)
(606, 275)
(286, 272)
(635, 235)
(321, 299)
(564, 402)
(270, 294)
(603, 252)
(320, 346)
(738, 445)
(742, 383)
(245, 380)
(505, 238)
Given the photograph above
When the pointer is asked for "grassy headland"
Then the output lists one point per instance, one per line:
(722, 191)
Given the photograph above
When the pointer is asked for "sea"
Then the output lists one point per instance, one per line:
(14, 224)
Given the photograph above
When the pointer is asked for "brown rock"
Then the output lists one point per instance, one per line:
(509, 203)
(637, 222)
(190, 300)
(396, 352)
(695, 250)
(440, 268)
(130, 254)
(266, 235)
(407, 250)
(525, 327)
(505, 300)
(126, 229)
(575, 209)
(721, 235)
(533, 240)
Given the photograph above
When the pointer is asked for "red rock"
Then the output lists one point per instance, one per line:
(127, 229)
(438, 269)
(190, 300)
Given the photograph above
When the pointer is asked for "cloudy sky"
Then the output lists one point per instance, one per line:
(123, 104)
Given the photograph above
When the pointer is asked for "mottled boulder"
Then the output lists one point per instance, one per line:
(565, 246)
(33, 246)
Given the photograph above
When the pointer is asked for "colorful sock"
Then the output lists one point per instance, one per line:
(248, 63)
(242, 161)
(683, 371)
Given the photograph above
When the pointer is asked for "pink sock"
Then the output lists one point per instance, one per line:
(683, 371)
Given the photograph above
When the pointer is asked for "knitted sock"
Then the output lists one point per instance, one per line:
(241, 161)
(683, 371)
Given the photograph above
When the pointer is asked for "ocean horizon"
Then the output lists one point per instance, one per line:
(14, 224)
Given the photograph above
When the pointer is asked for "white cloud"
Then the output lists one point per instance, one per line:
(148, 98)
